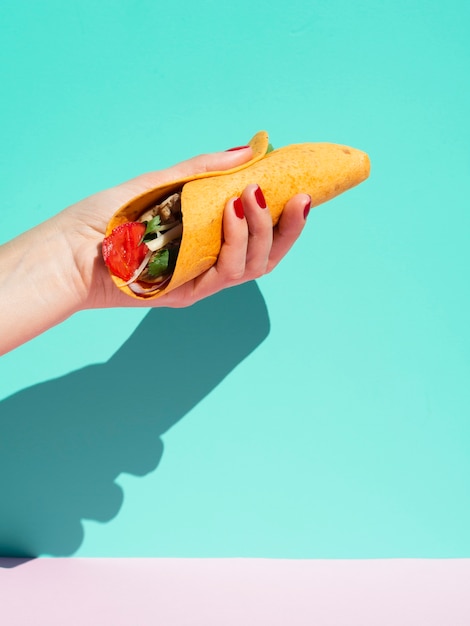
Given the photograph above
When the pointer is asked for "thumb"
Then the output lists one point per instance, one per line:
(213, 162)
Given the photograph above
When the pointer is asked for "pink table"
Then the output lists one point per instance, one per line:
(226, 592)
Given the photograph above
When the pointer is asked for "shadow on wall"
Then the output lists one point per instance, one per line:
(64, 442)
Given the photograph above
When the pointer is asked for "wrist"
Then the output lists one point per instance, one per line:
(37, 284)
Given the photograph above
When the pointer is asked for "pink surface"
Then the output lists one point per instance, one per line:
(225, 592)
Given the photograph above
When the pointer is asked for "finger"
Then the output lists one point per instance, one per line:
(289, 227)
(230, 266)
(216, 161)
(260, 229)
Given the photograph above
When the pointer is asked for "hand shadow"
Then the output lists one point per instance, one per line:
(64, 442)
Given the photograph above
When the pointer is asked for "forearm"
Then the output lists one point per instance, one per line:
(38, 284)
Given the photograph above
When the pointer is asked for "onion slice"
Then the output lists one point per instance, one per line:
(161, 242)
(142, 291)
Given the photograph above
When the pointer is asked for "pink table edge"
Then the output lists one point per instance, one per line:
(235, 591)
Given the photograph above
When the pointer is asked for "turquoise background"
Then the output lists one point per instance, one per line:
(325, 410)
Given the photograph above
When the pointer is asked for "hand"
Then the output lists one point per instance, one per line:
(56, 269)
(251, 246)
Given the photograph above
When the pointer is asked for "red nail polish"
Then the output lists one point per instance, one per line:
(308, 206)
(260, 199)
(238, 208)
(237, 148)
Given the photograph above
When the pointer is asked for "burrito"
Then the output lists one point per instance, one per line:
(171, 234)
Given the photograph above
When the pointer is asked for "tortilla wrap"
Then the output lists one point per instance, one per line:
(322, 170)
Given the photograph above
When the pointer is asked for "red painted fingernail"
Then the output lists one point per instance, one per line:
(260, 199)
(237, 148)
(238, 208)
(308, 206)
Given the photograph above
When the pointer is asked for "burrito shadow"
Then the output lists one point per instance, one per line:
(64, 442)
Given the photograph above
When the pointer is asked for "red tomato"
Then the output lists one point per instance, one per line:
(121, 250)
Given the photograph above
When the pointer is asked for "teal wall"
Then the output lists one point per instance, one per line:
(323, 411)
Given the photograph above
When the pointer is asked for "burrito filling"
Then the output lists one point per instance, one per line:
(144, 253)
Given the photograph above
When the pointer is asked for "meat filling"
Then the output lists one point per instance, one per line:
(163, 238)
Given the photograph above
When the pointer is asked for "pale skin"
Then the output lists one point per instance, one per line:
(56, 269)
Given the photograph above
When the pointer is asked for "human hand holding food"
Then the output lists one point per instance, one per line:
(57, 269)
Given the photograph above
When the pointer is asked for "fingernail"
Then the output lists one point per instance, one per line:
(238, 208)
(260, 199)
(237, 148)
(308, 206)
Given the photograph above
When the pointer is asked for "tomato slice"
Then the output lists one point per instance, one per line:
(122, 251)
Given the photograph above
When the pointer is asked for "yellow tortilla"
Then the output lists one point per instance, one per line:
(323, 170)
